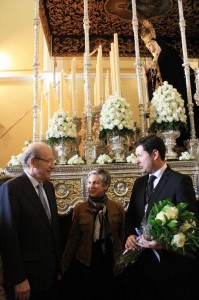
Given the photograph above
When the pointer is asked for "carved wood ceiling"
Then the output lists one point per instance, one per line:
(62, 22)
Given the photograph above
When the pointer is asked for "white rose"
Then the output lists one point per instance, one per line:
(131, 158)
(187, 225)
(161, 216)
(178, 240)
(170, 211)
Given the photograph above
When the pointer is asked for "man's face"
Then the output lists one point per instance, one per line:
(144, 160)
(42, 165)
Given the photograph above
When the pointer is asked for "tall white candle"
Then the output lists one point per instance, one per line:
(101, 85)
(73, 75)
(97, 83)
(112, 65)
(95, 93)
(49, 103)
(61, 90)
(117, 67)
(42, 115)
(107, 89)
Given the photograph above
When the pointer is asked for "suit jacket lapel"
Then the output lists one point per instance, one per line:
(155, 196)
(32, 196)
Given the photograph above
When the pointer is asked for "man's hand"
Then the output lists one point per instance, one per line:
(22, 290)
(131, 242)
(153, 244)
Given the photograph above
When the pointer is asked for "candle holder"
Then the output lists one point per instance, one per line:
(78, 123)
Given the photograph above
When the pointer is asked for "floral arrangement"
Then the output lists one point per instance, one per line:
(2, 172)
(174, 227)
(104, 159)
(116, 117)
(185, 156)
(15, 160)
(61, 128)
(167, 111)
(76, 160)
(131, 158)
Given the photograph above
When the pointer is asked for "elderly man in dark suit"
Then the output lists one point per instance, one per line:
(29, 228)
(3, 178)
(171, 276)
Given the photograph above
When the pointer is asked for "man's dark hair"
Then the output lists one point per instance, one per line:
(150, 143)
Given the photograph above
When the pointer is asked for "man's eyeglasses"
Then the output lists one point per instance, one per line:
(48, 161)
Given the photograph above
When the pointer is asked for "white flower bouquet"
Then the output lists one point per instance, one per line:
(61, 128)
(167, 111)
(131, 158)
(186, 156)
(104, 159)
(15, 160)
(76, 160)
(174, 227)
(116, 117)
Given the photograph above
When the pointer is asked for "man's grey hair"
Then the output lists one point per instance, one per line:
(32, 150)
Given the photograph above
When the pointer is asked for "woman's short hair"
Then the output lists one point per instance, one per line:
(103, 174)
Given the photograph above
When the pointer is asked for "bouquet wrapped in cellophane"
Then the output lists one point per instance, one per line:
(124, 258)
(174, 227)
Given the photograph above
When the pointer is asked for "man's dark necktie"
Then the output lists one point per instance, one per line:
(150, 184)
(41, 196)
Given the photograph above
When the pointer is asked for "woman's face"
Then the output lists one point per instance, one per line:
(95, 186)
(152, 46)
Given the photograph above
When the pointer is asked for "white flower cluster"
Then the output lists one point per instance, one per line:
(104, 159)
(178, 240)
(76, 160)
(61, 125)
(2, 171)
(116, 112)
(15, 160)
(168, 212)
(186, 156)
(131, 158)
(167, 105)
(26, 144)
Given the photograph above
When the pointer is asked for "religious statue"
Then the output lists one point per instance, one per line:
(167, 65)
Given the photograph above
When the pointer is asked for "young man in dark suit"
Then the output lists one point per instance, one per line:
(29, 230)
(158, 274)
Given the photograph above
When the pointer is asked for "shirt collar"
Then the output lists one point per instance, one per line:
(159, 172)
(32, 179)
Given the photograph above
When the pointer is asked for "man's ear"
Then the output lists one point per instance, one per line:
(155, 154)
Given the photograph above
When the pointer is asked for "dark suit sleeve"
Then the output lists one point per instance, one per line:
(185, 193)
(135, 210)
(10, 249)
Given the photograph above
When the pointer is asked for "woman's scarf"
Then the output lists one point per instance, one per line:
(101, 228)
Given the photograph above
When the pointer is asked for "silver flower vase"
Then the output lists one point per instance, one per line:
(169, 137)
(116, 148)
(64, 149)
